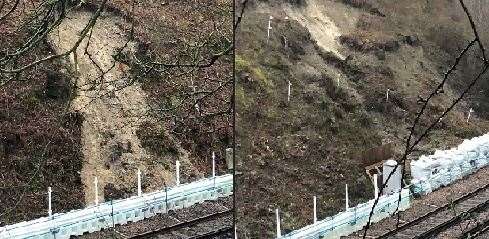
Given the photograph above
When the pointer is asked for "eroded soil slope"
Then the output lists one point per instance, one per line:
(341, 58)
(113, 106)
(54, 134)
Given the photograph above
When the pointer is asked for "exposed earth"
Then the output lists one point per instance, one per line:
(101, 112)
(341, 58)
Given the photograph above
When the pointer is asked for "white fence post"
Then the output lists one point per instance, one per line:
(470, 112)
(63, 222)
(269, 28)
(50, 211)
(197, 108)
(376, 187)
(315, 210)
(285, 39)
(213, 165)
(347, 206)
(387, 95)
(139, 183)
(177, 165)
(279, 233)
(288, 92)
(96, 190)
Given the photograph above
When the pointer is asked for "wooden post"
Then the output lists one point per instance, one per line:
(347, 206)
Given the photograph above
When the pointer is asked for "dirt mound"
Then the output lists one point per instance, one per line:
(113, 106)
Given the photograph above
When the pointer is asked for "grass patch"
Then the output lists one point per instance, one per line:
(257, 74)
(241, 64)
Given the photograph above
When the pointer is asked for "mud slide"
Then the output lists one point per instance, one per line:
(113, 108)
(322, 28)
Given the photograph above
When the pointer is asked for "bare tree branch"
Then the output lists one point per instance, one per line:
(410, 147)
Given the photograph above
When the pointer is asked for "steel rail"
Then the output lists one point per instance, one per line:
(440, 228)
(213, 234)
(181, 225)
(476, 231)
(436, 211)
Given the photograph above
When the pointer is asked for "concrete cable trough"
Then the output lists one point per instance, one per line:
(133, 209)
(354, 219)
(428, 173)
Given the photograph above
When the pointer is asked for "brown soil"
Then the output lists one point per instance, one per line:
(310, 145)
(113, 108)
(50, 140)
(39, 137)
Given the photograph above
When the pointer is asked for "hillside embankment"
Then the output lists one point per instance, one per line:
(341, 58)
(101, 112)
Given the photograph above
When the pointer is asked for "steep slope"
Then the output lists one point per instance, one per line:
(113, 107)
(341, 58)
(39, 138)
(61, 124)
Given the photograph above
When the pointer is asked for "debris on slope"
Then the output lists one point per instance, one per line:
(338, 107)
(113, 106)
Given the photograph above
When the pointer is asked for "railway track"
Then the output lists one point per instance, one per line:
(189, 224)
(438, 220)
(476, 231)
(225, 232)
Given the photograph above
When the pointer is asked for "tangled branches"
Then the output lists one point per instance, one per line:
(186, 72)
(40, 21)
(411, 141)
(43, 17)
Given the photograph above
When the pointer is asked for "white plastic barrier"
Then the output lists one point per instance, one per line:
(446, 166)
(428, 173)
(108, 214)
(345, 223)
